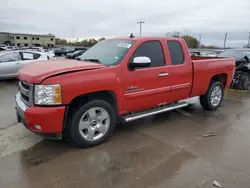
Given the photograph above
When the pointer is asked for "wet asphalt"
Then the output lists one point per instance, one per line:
(188, 148)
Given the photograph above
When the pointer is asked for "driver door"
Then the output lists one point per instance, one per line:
(146, 87)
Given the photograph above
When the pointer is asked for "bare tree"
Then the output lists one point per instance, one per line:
(186, 32)
(176, 34)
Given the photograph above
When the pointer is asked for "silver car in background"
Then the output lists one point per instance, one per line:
(12, 61)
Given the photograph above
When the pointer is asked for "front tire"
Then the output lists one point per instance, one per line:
(214, 96)
(92, 124)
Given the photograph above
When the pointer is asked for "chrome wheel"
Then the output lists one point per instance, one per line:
(94, 124)
(216, 96)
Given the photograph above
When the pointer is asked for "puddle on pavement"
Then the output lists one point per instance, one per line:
(45, 151)
(196, 109)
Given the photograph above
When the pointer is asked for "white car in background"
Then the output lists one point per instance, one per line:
(12, 61)
(50, 53)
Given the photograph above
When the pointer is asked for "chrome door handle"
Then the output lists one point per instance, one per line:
(163, 74)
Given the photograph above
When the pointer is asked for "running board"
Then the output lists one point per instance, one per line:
(158, 110)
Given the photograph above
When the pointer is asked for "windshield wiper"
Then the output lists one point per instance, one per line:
(93, 60)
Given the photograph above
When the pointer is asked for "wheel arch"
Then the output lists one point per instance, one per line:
(222, 77)
(106, 95)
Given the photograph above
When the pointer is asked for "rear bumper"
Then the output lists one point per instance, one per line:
(45, 121)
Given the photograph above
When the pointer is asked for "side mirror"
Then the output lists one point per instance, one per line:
(139, 62)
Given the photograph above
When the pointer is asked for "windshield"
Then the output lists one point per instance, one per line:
(108, 52)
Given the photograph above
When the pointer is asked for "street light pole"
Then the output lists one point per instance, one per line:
(248, 44)
(200, 40)
(225, 40)
(141, 22)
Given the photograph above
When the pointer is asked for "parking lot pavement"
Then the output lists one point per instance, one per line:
(167, 150)
(8, 90)
(13, 136)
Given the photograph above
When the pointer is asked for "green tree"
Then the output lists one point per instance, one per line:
(92, 42)
(192, 42)
(61, 41)
(7, 42)
(101, 39)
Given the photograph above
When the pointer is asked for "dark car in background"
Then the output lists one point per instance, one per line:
(2, 49)
(69, 50)
(61, 51)
(241, 79)
(75, 54)
(74, 49)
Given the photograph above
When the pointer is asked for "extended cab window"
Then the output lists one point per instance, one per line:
(176, 53)
(152, 50)
(108, 52)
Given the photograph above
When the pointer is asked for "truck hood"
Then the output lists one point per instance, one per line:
(37, 72)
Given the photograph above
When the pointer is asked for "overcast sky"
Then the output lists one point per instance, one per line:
(97, 18)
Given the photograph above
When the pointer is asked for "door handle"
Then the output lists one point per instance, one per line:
(18, 63)
(163, 74)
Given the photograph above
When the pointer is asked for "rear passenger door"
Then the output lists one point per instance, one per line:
(181, 71)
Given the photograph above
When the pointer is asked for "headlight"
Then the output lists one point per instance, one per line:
(48, 94)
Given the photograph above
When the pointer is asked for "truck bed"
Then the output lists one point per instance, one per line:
(205, 68)
(203, 57)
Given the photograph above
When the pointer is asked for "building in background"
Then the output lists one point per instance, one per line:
(23, 39)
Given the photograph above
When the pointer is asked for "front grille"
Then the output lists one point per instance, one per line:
(26, 91)
(25, 97)
(25, 85)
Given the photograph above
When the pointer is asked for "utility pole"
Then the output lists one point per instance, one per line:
(141, 22)
(225, 40)
(248, 44)
(200, 40)
(73, 35)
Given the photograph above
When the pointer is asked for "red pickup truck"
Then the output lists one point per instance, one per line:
(119, 79)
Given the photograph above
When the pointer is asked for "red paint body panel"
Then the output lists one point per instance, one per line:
(77, 78)
(38, 71)
(49, 118)
(204, 70)
(108, 78)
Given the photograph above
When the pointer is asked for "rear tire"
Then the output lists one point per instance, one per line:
(214, 96)
(91, 124)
